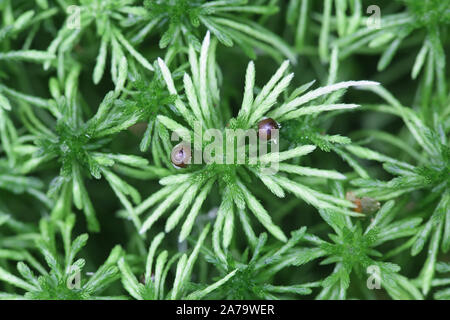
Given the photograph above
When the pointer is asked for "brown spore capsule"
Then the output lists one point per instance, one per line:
(369, 205)
(266, 127)
(181, 155)
(364, 205)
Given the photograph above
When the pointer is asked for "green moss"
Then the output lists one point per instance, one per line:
(88, 114)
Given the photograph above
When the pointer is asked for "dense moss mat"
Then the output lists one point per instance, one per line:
(96, 94)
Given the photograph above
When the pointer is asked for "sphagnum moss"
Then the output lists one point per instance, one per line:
(95, 96)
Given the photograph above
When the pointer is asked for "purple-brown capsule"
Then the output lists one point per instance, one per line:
(364, 205)
(266, 127)
(181, 155)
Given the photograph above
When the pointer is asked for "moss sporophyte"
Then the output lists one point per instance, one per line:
(237, 149)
